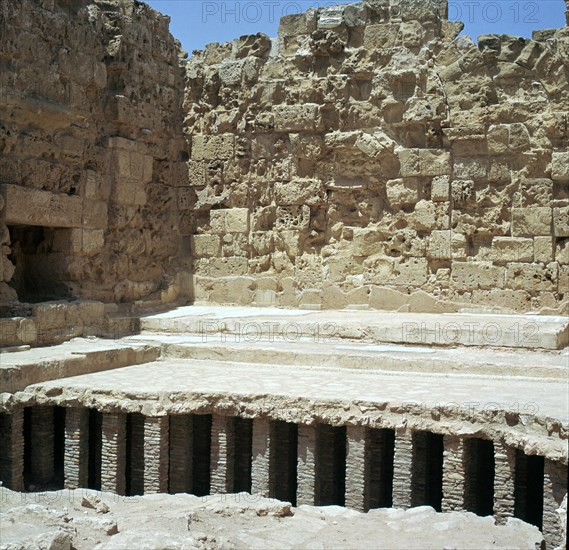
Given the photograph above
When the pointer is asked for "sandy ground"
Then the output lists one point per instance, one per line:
(61, 520)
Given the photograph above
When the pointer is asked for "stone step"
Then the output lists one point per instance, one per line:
(359, 355)
(79, 356)
(377, 327)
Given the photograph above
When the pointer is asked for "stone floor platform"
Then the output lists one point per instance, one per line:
(355, 354)
(536, 413)
(444, 329)
(171, 380)
(79, 356)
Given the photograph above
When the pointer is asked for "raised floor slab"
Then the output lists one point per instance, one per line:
(367, 356)
(78, 356)
(527, 412)
(445, 329)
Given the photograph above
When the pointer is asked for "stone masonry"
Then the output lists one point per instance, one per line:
(366, 158)
(92, 151)
(369, 158)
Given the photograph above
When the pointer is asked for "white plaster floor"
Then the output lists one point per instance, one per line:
(171, 376)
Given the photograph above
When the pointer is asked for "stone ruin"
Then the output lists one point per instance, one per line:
(367, 160)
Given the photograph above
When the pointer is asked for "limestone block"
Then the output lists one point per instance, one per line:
(298, 23)
(560, 166)
(231, 72)
(116, 142)
(215, 52)
(512, 249)
(424, 162)
(543, 249)
(222, 267)
(531, 221)
(440, 188)
(470, 168)
(405, 242)
(519, 139)
(462, 192)
(445, 244)
(474, 275)
(536, 192)
(386, 298)
(374, 144)
(70, 146)
(419, 10)
(205, 245)
(561, 221)
(410, 271)
(234, 220)
(366, 241)
(564, 276)
(509, 299)
(196, 173)
(299, 191)
(93, 241)
(402, 191)
(383, 35)
(292, 217)
(562, 251)
(26, 206)
(132, 165)
(428, 216)
(499, 172)
(330, 17)
(256, 45)
(532, 277)
(217, 147)
(95, 212)
(262, 242)
(498, 137)
(288, 240)
(411, 34)
(296, 118)
(308, 147)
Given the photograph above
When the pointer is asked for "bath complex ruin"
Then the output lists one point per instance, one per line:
(370, 216)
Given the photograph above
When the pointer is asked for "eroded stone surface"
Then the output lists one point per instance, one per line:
(240, 521)
(92, 151)
(369, 154)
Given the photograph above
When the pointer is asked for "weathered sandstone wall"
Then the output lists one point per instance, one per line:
(92, 151)
(368, 157)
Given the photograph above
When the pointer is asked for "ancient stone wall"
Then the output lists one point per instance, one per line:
(92, 153)
(369, 157)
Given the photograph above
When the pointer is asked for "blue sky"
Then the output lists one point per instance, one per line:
(198, 22)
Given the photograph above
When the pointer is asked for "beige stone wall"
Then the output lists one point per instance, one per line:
(91, 145)
(367, 157)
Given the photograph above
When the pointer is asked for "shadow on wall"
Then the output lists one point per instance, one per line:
(39, 268)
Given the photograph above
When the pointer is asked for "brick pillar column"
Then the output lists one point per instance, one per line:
(156, 454)
(453, 474)
(357, 475)
(221, 457)
(554, 489)
(260, 457)
(12, 449)
(42, 444)
(181, 451)
(402, 468)
(504, 479)
(76, 447)
(306, 465)
(113, 453)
